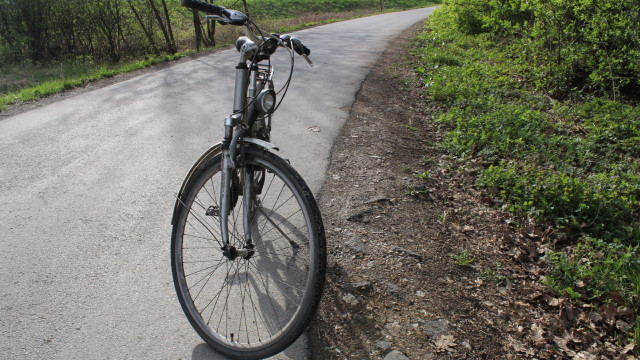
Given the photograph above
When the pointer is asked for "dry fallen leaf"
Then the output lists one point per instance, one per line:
(446, 343)
(628, 348)
(520, 347)
(537, 335)
(555, 302)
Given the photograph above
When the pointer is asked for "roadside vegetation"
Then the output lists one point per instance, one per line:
(544, 94)
(53, 45)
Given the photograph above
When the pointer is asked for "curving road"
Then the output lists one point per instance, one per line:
(87, 188)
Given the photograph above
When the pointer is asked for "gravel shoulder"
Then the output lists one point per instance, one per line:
(418, 262)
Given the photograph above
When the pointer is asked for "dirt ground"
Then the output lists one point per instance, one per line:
(421, 263)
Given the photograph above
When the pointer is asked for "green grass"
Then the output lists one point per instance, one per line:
(573, 164)
(46, 80)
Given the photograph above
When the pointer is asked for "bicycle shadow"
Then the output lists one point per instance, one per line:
(299, 350)
(273, 270)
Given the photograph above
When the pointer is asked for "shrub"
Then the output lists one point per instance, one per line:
(573, 45)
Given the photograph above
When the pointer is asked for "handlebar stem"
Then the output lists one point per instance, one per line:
(240, 93)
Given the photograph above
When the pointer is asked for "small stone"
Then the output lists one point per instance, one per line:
(356, 244)
(420, 293)
(362, 286)
(435, 328)
(623, 326)
(360, 217)
(404, 251)
(396, 355)
(466, 344)
(383, 345)
(350, 299)
(379, 200)
(394, 289)
(393, 328)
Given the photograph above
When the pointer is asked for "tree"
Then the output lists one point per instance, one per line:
(165, 28)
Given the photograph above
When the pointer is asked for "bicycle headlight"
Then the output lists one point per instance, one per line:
(266, 101)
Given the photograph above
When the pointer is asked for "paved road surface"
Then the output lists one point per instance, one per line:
(87, 187)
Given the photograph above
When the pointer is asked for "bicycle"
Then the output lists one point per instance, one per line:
(248, 249)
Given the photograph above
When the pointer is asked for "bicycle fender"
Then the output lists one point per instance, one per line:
(208, 155)
(262, 143)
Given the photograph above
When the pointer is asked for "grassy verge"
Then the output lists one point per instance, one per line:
(53, 78)
(569, 166)
(26, 82)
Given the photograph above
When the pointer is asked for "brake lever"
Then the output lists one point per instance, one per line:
(212, 17)
(220, 19)
(308, 60)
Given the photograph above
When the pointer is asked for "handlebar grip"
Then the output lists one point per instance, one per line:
(299, 47)
(296, 44)
(203, 6)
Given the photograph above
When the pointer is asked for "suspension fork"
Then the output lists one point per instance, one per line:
(229, 146)
(229, 163)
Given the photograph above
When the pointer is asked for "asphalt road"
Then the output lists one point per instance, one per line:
(87, 186)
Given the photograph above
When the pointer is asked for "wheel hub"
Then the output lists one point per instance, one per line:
(232, 253)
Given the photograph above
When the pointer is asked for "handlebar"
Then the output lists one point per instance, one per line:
(226, 16)
(234, 17)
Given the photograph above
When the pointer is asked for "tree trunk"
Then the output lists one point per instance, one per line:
(169, 29)
(246, 8)
(146, 31)
(171, 47)
(198, 28)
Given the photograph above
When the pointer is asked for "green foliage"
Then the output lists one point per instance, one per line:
(603, 204)
(495, 16)
(53, 30)
(423, 175)
(291, 8)
(463, 259)
(564, 46)
(50, 46)
(494, 275)
(571, 164)
(586, 44)
(595, 269)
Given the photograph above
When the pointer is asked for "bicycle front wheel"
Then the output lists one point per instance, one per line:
(256, 305)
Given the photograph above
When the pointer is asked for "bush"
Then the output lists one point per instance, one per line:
(573, 45)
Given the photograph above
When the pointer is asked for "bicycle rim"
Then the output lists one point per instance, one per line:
(258, 305)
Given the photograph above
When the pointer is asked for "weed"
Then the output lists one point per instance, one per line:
(463, 259)
(415, 190)
(443, 218)
(423, 175)
(493, 275)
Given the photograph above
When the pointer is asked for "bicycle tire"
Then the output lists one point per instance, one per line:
(281, 284)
